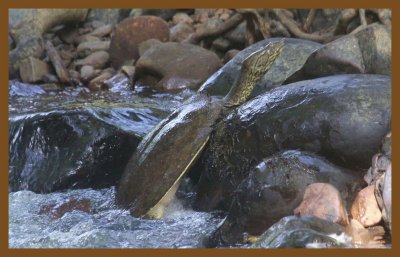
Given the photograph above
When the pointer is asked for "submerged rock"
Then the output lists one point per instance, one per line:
(302, 232)
(275, 188)
(342, 118)
(293, 57)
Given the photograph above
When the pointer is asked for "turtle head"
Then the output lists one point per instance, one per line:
(253, 68)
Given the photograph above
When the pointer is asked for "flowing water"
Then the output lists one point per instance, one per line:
(104, 226)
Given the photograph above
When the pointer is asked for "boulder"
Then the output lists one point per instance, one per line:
(342, 118)
(177, 65)
(293, 57)
(130, 32)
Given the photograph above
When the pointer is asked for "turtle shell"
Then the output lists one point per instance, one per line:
(166, 153)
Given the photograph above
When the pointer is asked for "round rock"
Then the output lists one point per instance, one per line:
(129, 33)
(177, 65)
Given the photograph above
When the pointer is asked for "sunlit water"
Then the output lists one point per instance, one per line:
(105, 227)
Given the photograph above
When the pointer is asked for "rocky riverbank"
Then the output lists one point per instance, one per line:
(306, 162)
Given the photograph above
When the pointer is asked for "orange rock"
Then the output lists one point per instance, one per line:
(323, 201)
(365, 208)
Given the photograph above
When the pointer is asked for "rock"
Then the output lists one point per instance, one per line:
(85, 38)
(387, 145)
(107, 16)
(33, 70)
(284, 66)
(177, 65)
(230, 54)
(102, 31)
(221, 44)
(57, 210)
(68, 34)
(181, 31)
(87, 72)
(237, 36)
(182, 18)
(97, 83)
(323, 200)
(380, 162)
(302, 232)
(97, 59)
(330, 116)
(165, 14)
(367, 51)
(129, 71)
(129, 33)
(86, 48)
(273, 190)
(62, 142)
(146, 45)
(10, 43)
(365, 209)
(27, 34)
(365, 237)
(119, 81)
(383, 194)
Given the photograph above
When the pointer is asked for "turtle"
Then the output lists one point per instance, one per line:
(153, 173)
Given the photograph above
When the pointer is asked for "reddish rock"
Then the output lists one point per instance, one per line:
(365, 237)
(323, 201)
(129, 33)
(177, 65)
(365, 208)
(56, 211)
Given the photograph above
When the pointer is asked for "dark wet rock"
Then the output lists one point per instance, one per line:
(383, 194)
(129, 33)
(365, 209)
(293, 57)
(21, 89)
(33, 70)
(367, 51)
(301, 232)
(342, 118)
(97, 60)
(324, 201)
(273, 190)
(177, 65)
(107, 16)
(68, 34)
(60, 144)
(86, 48)
(181, 31)
(57, 210)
